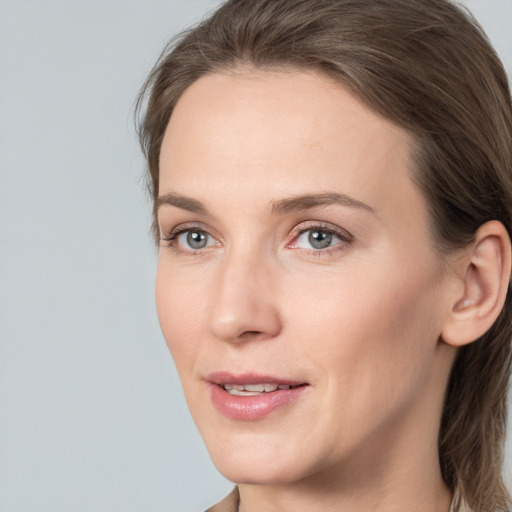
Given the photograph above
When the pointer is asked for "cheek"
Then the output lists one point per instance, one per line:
(370, 334)
(179, 316)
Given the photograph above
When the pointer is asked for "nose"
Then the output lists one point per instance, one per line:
(244, 304)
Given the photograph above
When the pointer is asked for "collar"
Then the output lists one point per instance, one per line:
(231, 503)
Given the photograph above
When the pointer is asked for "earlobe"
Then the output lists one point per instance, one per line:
(485, 280)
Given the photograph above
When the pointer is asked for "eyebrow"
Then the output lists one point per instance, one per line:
(182, 202)
(277, 207)
(310, 201)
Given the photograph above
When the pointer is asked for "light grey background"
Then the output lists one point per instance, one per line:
(91, 412)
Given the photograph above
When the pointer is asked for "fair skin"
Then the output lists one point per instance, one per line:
(342, 291)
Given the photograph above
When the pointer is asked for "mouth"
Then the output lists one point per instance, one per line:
(256, 389)
(252, 397)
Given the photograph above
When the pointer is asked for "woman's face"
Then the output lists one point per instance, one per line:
(297, 287)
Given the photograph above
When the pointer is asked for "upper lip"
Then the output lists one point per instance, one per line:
(250, 378)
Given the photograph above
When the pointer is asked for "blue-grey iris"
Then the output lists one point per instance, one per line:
(320, 239)
(197, 239)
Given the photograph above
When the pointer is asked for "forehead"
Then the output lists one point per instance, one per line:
(296, 131)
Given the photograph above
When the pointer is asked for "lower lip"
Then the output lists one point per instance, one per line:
(251, 408)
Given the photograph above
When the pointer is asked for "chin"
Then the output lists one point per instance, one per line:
(257, 466)
(244, 473)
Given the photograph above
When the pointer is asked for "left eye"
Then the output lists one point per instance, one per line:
(317, 239)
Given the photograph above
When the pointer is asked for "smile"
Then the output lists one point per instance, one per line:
(251, 397)
(253, 389)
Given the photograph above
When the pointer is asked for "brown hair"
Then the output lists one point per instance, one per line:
(427, 66)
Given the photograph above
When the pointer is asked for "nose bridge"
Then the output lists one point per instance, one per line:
(244, 304)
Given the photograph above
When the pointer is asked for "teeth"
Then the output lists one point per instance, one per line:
(253, 389)
(236, 392)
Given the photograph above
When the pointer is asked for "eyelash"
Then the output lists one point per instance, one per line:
(170, 240)
(345, 238)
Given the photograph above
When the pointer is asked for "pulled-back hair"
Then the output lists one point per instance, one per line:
(426, 66)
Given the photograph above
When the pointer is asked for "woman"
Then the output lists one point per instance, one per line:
(332, 186)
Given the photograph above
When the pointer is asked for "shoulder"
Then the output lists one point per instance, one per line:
(228, 504)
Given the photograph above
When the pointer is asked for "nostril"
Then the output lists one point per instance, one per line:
(235, 319)
(246, 335)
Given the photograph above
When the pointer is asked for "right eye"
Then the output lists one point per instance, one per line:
(189, 240)
(194, 239)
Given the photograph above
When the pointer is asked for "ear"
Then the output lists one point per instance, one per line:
(484, 273)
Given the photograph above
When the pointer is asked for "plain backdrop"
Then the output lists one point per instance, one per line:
(91, 412)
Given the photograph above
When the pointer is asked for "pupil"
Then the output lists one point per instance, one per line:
(196, 239)
(320, 239)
